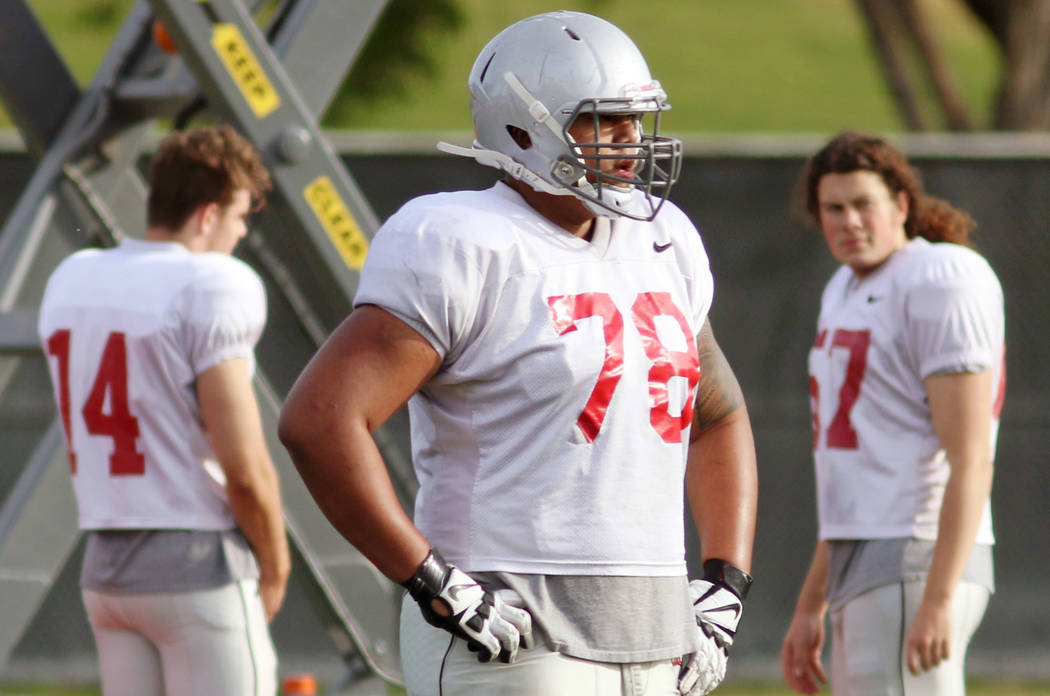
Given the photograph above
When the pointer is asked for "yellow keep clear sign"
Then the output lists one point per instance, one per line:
(245, 69)
(337, 221)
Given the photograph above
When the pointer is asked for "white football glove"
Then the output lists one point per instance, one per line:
(492, 627)
(717, 604)
(703, 670)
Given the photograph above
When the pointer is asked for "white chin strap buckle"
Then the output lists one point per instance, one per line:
(498, 160)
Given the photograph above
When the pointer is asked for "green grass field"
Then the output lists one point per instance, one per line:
(741, 66)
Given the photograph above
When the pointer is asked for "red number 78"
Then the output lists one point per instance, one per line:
(566, 310)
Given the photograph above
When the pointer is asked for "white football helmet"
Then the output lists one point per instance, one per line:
(540, 75)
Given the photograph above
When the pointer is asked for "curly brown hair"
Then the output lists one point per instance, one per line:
(849, 151)
(200, 166)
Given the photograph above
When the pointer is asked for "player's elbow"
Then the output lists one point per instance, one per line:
(314, 429)
(301, 427)
(250, 477)
(293, 430)
(247, 486)
(732, 418)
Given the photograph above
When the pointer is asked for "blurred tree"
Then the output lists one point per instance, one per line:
(395, 52)
(1022, 30)
(398, 52)
(99, 15)
(906, 46)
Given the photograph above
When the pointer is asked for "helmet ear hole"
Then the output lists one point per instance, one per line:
(519, 136)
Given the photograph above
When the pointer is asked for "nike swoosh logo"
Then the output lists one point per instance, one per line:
(874, 298)
(454, 590)
(735, 608)
(661, 247)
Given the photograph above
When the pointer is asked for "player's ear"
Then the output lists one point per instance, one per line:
(206, 216)
(902, 204)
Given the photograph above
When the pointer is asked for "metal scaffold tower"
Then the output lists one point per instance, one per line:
(269, 68)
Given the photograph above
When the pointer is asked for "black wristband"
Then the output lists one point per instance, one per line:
(718, 571)
(426, 582)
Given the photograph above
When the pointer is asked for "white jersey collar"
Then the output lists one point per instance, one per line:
(136, 244)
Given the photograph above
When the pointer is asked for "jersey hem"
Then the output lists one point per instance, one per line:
(961, 363)
(210, 526)
(621, 656)
(633, 569)
(415, 324)
(849, 533)
(232, 353)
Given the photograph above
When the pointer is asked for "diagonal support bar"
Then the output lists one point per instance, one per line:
(38, 531)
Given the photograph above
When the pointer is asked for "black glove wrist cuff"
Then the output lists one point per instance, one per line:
(718, 571)
(427, 581)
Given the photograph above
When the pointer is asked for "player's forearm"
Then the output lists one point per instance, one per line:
(812, 598)
(367, 369)
(960, 405)
(256, 504)
(722, 486)
(348, 480)
(965, 494)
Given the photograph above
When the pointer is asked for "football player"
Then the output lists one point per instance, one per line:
(906, 383)
(150, 346)
(550, 335)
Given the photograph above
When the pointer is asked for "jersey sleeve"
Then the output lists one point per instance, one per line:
(695, 264)
(419, 270)
(703, 283)
(225, 312)
(955, 315)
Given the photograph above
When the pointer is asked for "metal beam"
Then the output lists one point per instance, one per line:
(243, 80)
(18, 332)
(38, 531)
(27, 61)
(90, 152)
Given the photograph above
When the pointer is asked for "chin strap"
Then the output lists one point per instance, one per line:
(542, 115)
(606, 201)
(492, 158)
(498, 160)
(537, 110)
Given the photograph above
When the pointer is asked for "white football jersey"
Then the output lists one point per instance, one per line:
(553, 438)
(126, 332)
(931, 308)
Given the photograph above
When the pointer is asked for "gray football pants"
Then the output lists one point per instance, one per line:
(212, 641)
(869, 637)
(437, 664)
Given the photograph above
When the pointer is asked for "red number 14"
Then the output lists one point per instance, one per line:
(112, 379)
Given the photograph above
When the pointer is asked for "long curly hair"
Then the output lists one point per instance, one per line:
(932, 218)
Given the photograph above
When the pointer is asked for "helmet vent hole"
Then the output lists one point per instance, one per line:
(519, 136)
(485, 70)
(574, 35)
